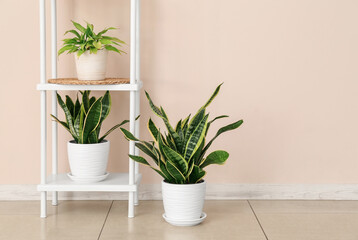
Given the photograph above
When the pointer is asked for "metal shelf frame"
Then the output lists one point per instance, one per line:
(118, 182)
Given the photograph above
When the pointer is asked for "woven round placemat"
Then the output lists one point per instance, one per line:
(75, 81)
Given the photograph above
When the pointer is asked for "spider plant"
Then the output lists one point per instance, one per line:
(85, 39)
(84, 119)
(180, 155)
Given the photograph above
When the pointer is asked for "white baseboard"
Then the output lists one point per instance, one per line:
(214, 192)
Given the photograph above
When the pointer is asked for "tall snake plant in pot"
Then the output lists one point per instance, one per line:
(181, 156)
(88, 151)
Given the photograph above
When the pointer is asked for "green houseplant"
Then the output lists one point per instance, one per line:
(180, 157)
(88, 151)
(90, 50)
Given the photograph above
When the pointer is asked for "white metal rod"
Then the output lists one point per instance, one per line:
(43, 205)
(132, 103)
(54, 93)
(43, 103)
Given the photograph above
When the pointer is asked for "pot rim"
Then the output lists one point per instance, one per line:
(189, 184)
(105, 141)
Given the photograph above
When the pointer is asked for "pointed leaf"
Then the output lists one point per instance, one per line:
(217, 157)
(128, 135)
(71, 106)
(175, 172)
(196, 175)
(195, 139)
(112, 129)
(92, 119)
(176, 158)
(79, 27)
(212, 97)
(153, 129)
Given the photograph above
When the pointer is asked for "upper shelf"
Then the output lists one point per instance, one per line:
(112, 84)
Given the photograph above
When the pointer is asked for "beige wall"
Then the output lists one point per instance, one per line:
(289, 67)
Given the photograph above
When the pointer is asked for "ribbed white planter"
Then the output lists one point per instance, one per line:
(92, 66)
(183, 202)
(88, 160)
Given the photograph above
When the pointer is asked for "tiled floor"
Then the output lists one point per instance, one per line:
(107, 220)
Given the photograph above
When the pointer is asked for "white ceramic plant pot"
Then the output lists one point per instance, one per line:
(88, 161)
(183, 202)
(92, 66)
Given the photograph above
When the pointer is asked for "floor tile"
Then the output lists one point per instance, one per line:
(308, 220)
(68, 221)
(225, 220)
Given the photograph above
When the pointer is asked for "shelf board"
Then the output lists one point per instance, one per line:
(115, 182)
(99, 87)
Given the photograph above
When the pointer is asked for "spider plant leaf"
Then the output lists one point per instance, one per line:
(112, 129)
(111, 48)
(79, 27)
(104, 31)
(176, 158)
(216, 157)
(74, 32)
(175, 172)
(195, 139)
(64, 49)
(92, 119)
(196, 175)
(128, 135)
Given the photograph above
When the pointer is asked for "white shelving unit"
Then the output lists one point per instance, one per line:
(116, 182)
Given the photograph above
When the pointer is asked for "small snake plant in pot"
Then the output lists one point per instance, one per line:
(90, 50)
(87, 152)
(181, 156)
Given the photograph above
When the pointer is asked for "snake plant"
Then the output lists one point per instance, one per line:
(84, 120)
(87, 40)
(181, 155)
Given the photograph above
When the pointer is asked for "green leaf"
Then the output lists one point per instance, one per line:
(92, 100)
(217, 157)
(212, 97)
(62, 123)
(196, 175)
(128, 135)
(153, 129)
(93, 137)
(79, 26)
(68, 116)
(175, 172)
(195, 139)
(98, 45)
(229, 127)
(106, 105)
(104, 31)
(70, 106)
(64, 49)
(176, 158)
(92, 119)
(154, 108)
(169, 178)
(111, 48)
(112, 129)
(139, 159)
(74, 32)
(147, 151)
(85, 101)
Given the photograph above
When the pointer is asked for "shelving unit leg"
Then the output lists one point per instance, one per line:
(43, 205)
(54, 93)
(137, 93)
(131, 152)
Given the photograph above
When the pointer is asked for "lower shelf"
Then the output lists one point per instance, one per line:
(115, 182)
